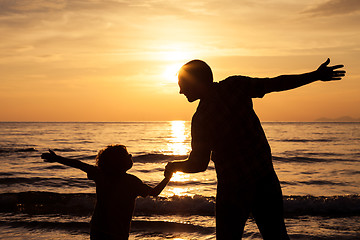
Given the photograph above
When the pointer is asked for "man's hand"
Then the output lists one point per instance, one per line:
(325, 73)
(49, 157)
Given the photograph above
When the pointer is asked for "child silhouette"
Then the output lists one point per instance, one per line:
(116, 190)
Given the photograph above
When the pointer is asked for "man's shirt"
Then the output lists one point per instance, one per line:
(226, 124)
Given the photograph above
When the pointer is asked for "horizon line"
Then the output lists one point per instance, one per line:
(158, 121)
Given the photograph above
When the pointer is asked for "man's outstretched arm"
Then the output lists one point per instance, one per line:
(286, 82)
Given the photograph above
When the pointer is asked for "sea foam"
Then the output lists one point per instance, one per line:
(83, 203)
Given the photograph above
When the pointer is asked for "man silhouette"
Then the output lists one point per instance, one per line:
(226, 129)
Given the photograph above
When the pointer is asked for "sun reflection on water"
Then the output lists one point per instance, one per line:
(180, 177)
(179, 191)
(177, 143)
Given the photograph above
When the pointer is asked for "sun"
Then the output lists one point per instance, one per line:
(171, 71)
(174, 57)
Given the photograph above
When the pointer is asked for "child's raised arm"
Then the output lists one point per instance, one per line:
(52, 157)
(158, 189)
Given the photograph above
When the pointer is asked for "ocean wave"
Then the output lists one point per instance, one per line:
(315, 182)
(304, 140)
(15, 150)
(78, 182)
(83, 203)
(83, 183)
(64, 150)
(157, 157)
(293, 157)
(71, 226)
(299, 159)
(145, 157)
(46, 182)
(136, 225)
(303, 159)
(165, 226)
(328, 157)
(86, 157)
(55, 167)
(345, 205)
(323, 182)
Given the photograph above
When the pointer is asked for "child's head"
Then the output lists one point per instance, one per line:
(114, 159)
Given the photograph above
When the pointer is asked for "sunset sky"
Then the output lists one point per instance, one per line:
(102, 60)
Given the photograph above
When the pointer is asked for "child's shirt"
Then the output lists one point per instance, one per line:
(115, 201)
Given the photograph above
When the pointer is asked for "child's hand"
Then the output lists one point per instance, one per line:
(170, 167)
(49, 157)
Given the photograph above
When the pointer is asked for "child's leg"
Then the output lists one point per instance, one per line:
(268, 209)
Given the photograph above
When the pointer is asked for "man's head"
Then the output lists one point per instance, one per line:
(195, 77)
(114, 159)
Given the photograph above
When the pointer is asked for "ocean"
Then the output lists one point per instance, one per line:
(318, 165)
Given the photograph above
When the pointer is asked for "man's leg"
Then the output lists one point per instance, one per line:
(231, 216)
(268, 209)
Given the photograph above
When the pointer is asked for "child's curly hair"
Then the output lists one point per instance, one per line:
(114, 158)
